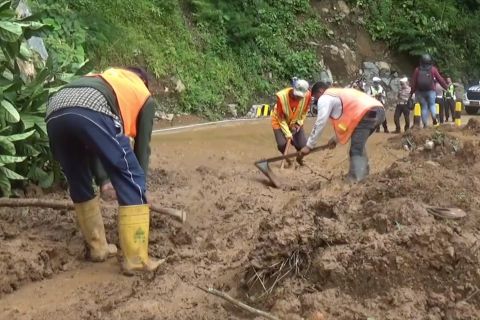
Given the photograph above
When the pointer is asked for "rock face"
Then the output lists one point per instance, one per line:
(341, 58)
(343, 7)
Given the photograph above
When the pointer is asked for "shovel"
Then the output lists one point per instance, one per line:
(446, 213)
(265, 168)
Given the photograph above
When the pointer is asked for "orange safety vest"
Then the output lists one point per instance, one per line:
(291, 116)
(131, 94)
(355, 104)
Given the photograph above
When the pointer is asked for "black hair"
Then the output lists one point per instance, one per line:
(141, 73)
(320, 85)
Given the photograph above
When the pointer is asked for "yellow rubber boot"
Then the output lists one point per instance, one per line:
(133, 227)
(89, 219)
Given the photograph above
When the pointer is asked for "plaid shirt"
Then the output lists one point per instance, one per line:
(84, 97)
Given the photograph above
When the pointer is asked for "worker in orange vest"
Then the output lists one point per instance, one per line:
(354, 116)
(100, 115)
(289, 114)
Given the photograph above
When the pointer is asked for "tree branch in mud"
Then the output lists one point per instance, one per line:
(239, 304)
(179, 215)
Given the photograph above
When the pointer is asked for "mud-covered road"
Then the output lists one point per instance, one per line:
(235, 220)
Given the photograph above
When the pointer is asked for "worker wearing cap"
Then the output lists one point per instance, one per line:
(377, 91)
(289, 114)
(100, 115)
(449, 100)
(354, 116)
(404, 105)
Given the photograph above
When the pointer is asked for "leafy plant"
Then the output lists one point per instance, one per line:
(442, 28)
(24, 90)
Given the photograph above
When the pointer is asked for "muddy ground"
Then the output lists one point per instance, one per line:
(318, 246)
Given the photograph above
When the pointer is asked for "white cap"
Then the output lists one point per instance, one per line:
(376, 79)
(300, 88)
(404, 79)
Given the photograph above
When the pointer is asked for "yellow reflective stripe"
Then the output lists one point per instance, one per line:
(303, 105)
(285, 103)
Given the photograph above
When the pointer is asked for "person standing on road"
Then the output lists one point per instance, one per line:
(449, 100)
(403, 106)
(354, 116)
(101, 115)
(377, 91)
(423, 86)
(289, 114)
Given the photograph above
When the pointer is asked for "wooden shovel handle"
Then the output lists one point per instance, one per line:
(287, 148)
(179, 215)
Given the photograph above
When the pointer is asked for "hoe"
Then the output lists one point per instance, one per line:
(263, 165)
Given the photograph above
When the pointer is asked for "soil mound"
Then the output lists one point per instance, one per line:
(375, 251)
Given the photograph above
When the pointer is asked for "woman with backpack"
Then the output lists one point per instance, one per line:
(423, 85)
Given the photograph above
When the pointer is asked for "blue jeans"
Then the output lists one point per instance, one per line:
(427, 101)
(78, 134)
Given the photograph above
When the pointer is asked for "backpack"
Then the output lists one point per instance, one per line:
(425, 79)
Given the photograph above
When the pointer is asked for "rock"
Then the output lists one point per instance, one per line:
(384, 68)
(169, 117)
(232, 109)
(343, 7)
(179, 86)
(370, 70)
(326, 75)
(316, 316)
(325, 10)
(342, 59)
(330, 33)
(334, 51)
(160, 115)
(350, 59)
(432, 163)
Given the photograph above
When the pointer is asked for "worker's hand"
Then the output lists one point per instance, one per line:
(332, 143)
(107, 192)
(295, 128)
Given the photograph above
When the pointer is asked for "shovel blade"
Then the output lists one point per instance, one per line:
(265, 169)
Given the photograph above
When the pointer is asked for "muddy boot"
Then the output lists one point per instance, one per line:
(133, 227)
(89, 219)
(359, 168)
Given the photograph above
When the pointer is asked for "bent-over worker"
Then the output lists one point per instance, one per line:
(100, 115)
(289, 114)
(354, 116)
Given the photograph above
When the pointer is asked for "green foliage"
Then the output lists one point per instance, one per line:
(24, 90)
(66, 36)
(223, 51)
(443, 28)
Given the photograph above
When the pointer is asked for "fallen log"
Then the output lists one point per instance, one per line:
(179, 215)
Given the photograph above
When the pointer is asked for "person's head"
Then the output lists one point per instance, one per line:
(376, 81)
(141, 73)
(449, 80)
(426, 60)
(319, 88)
(300, 89)
(404, 82)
